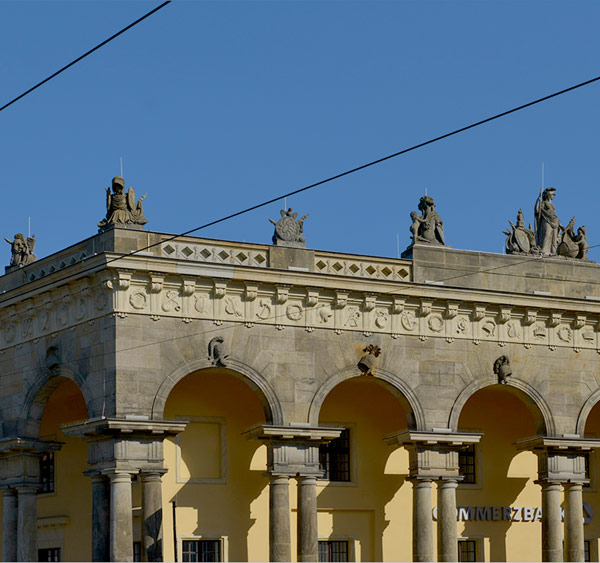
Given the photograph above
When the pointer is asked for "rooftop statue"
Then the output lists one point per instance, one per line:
(549, 238)
(288, 230)
(573, 245)
(22, 250)
(427, 227)
(121, 207)
(521, 240)
(547, 225)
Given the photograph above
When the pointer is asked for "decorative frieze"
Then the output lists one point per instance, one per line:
(189, 298)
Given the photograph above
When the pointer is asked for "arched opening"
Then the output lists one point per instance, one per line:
(499, 502)
(62, 523)
(590, 492)
(217, 480)
(365, 479)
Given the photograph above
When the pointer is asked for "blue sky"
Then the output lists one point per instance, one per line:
(216, 106)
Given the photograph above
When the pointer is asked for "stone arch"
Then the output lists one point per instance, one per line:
(265, 392)
(415, 415)
(529, 395)
(585, 411)
(39, 392)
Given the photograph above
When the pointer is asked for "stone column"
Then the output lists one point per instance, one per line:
(551, 522)
(27, 523)
(9, 525)
(152, 515)
(280, 548)
(422, 521)
(100, 518)
(446, 521)
(121, 527)
(574, 549)
(308, 538)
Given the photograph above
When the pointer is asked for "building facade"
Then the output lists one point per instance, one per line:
(203, 400)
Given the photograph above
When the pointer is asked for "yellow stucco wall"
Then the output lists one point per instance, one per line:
(72, 495)
(217, 476)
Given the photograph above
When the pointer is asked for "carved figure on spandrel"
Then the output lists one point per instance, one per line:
(21, 250)
(121, 207)
(502, 368)
(217, 352)
(288, 230)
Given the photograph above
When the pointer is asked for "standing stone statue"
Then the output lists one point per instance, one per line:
(547, 225)
(288, 230)
(121, 207)
(427, 227)
(22, 250)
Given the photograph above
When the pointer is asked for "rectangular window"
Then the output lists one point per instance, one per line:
(47, 472)
(137, 550)
(586, 457)
(49, 554)
(333, 550)
(466, 464)
(587, 555)
(334, 458)
(467, 550)
(201, 550)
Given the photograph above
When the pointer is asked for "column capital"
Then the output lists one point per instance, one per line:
(152, 475)
(557, 464)
(449, 482)
(27, 489)
(420, 481)
(434, 454)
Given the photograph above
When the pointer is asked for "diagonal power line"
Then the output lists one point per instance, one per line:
(47, 79)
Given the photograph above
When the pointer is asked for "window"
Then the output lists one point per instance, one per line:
(586, 457)
(334, 458)
(47, 477)
(201, 550)
(466, 464)
(333, 550)
(587, 555)
(467, 550)
(49, 554)
(137, 550)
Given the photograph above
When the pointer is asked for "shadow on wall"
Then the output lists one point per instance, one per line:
(214, 459)
(503, 474)
(364, 506)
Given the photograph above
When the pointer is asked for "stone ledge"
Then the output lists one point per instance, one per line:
(320, 434)
(112, 426)
(414, 437)
(558, 443)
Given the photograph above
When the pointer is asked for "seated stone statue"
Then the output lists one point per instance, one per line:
(121, 207)
(573, 245)
(22, 250)
(428, 227)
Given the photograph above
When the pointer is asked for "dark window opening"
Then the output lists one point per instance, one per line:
(334, 550)
(47, 473)
(49, 554)
(334, 458)
(467, 550)
(587, 556)
(466, 464)
(137, 550)
(586, 457)
(201, 550)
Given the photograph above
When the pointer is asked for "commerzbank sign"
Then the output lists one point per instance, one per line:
(509, 513)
